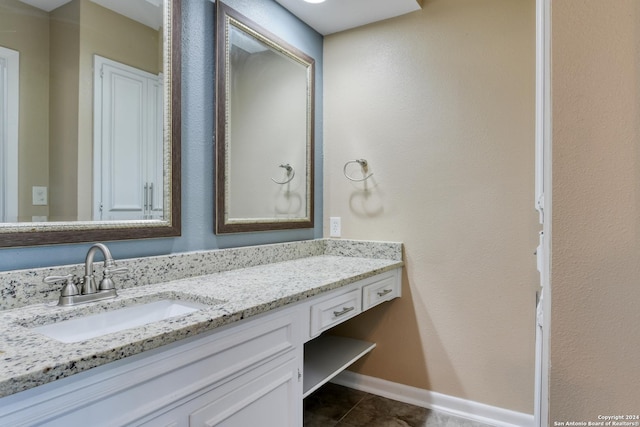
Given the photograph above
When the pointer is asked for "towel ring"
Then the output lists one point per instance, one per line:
(290, 172)
(363, 164)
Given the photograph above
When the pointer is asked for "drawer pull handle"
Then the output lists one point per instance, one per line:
(345, 310)
(383, 293)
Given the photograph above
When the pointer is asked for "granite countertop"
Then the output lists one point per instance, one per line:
(29, 359)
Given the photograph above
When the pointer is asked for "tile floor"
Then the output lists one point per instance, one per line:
(336, 406)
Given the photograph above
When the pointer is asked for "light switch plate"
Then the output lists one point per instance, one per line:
(39, 195)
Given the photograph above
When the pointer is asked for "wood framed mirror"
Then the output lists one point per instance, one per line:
(264, 129)
(94, 140)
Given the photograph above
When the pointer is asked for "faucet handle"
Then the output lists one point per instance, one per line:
(69, 287)
(119, 270)
(107, 282)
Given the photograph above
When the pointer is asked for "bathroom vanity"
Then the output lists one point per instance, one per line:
(248, 356)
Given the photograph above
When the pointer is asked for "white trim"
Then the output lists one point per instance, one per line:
(9, 171)
(539, 105)
(543, 186)
(451, 405)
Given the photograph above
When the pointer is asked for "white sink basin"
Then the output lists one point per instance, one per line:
(95, 325)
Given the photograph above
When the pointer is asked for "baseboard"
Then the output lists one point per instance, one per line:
(456, 406)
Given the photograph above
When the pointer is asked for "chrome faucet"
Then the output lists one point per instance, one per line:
(89, 284)
(88, 291)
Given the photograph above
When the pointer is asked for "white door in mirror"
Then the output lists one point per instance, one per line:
(128, 151)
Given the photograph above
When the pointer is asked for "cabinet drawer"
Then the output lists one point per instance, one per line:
(328, 313)
(377, 292)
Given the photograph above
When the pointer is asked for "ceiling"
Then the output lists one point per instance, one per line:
(333, 16)
(147, 12)
(46, 5)
(326, 18)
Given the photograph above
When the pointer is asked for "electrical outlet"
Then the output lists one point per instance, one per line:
(334, 226)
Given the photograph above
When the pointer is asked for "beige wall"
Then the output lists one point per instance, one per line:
(65, 45)
(595, 323)
(26, 29)
(441, 104)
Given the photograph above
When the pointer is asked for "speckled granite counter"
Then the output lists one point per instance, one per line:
(28, 359)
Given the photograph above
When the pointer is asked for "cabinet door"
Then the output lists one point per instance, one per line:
(270, 398)
(128, 142)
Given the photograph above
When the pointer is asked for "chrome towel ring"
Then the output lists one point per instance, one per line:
(363, 164)
(290, 173)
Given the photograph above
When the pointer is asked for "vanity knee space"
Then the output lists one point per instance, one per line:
(325, 356)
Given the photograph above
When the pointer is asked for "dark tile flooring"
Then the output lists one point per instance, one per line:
(336, 406)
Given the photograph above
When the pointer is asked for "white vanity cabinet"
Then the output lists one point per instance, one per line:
(222, 378)
(264, 396)
(258, 381)
(251, 373)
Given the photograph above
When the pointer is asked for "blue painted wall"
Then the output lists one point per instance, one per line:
(198, 147)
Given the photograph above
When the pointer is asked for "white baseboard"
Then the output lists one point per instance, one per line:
(456, 406)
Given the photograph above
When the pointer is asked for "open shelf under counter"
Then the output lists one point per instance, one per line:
(327, 356)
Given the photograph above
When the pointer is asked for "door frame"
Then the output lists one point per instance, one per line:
(543, 128)
(9, 133)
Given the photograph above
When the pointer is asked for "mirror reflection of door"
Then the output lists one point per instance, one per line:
(128, 143)
(9, 107)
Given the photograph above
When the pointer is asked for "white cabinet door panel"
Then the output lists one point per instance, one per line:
(123, 142)
(128, 146)
(268, 399)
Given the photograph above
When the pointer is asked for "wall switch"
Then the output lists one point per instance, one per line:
(39, 196)
(334, 226)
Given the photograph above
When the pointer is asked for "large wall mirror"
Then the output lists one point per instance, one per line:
(264, 129)
(90, 136)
